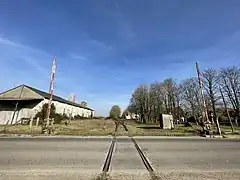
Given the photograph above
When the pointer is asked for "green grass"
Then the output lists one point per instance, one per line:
(154, 130)
(227, 130)
(100, 127)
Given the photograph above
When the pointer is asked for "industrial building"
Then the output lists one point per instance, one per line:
(24, 102)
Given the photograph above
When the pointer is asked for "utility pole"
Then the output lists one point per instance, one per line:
(205, 121)
(51, 87)
(205, 114)
(51, 93)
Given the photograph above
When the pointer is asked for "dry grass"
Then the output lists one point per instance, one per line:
(86, 128)
(19, 129)
(91, 127)
(100, 127)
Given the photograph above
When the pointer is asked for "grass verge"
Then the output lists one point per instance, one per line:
(96, 127)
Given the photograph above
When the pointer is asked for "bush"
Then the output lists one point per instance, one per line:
(115, 112)
(58, 118)
(191, 119)
(78, 117)
(65, 116)
(43, 114)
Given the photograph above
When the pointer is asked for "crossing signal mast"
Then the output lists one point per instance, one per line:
(51, 90)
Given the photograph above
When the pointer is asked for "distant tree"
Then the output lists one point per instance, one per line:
(149, 101)
(156, 101)
(190, 97)
(115, 112)
(139, 102)
(172, 97)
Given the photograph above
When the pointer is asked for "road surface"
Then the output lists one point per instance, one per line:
(81, 158)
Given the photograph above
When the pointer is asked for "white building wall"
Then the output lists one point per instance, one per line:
(31, 112)
(69, 109)
(6, 114)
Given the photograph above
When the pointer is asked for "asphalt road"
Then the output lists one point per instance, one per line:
(76, 158)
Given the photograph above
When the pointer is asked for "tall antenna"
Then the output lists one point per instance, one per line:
(205, 114)
(51, 89)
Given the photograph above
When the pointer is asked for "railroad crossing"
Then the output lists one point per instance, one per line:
(119, 157)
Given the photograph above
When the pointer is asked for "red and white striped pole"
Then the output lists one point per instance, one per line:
(51, 89)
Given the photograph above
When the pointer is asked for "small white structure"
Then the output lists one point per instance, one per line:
(24, 102)
(132, 116)
(166, 121)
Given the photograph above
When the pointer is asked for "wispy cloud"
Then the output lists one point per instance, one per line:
(24, 64)
(6, 41)
(79, 57)
(35, 58)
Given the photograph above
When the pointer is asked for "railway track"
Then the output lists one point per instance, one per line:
(104, 175)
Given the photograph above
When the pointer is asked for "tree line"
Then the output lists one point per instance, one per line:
(183, 99)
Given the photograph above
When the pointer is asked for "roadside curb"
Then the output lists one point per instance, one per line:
(168, 137)
(98, 137)
(109, 137)
(15, 135)
(52, 136)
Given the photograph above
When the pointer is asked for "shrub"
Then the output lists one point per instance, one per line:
(43, 114)
(115, 112)
(65, 116)
(58, 118)
(78, 117)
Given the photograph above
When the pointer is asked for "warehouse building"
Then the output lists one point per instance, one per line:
(24, 102)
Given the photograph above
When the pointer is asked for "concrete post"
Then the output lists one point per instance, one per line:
(30, 124)
(37, 122)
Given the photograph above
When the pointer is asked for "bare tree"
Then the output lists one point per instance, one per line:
(230, 82)
(139, 102)
(210, 82)
(170, 89)
(156, 100)
(150, 101)
(189, 95)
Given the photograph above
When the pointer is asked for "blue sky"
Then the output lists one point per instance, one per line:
(106, 48)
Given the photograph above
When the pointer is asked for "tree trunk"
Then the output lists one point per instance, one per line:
(218, 127)
(225, 105)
